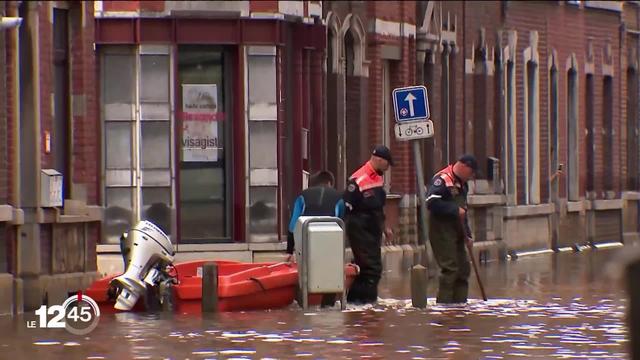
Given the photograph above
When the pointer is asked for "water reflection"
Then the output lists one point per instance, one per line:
(546, 307)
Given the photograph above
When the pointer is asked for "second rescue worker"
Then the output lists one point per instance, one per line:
(364, 200)
(449, 228)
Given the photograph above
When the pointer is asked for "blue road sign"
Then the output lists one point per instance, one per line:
(411, 103)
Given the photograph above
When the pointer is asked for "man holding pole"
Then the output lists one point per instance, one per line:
(449, 230)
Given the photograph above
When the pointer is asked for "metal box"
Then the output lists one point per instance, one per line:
(319, 244)
(50, 188)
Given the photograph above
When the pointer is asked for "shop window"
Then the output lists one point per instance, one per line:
(263, 144)
(204, 166)
(135, 85)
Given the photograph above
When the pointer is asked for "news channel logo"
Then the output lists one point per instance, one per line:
(79, 315)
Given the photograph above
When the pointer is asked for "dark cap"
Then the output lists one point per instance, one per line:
(470, 161)
(383, 152)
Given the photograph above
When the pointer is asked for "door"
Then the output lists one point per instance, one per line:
(204, 165)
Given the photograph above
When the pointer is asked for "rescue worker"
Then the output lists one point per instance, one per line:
(319, 199)
(449, 227)
(364, 199)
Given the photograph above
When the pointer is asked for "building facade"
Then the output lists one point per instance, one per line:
(49, 211)
(207, 118)
(542, 87)
(530, 88)
(211, 119)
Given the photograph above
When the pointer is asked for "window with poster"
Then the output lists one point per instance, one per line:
(204, 165)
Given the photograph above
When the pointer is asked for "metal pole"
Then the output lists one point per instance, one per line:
(417, 158)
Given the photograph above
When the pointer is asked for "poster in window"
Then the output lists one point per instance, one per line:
(199, 125)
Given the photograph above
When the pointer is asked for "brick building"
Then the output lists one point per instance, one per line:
(48, 121)
(526, 86)
(539, 86)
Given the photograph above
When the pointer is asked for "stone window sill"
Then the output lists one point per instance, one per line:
(528, 210)
(56, 215)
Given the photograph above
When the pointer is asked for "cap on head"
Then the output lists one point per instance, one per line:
(470, 161)
(382, 151)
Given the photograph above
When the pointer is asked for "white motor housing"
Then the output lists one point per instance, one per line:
(150, 248)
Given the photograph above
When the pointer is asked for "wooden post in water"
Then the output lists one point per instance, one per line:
(419, 286)
(209, 287)
(633, 315)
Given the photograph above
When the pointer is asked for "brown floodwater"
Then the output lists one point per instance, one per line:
(549, 306)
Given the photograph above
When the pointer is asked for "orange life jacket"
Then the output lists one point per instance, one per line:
(367, 177)
(449, 178)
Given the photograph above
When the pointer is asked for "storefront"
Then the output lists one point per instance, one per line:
(194, 128)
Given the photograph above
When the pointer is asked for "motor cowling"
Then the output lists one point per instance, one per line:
(149, 252)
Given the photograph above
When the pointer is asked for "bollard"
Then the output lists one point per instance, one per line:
(633, 314)
(419, 286)
(209, 287)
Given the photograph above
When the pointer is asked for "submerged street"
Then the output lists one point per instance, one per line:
(548, 306)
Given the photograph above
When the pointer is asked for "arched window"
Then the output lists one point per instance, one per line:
(532, 121)
(553, 128)
(632, 128)
(511, 164)
(573, 175)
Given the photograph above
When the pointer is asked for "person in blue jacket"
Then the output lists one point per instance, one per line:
(319, 199)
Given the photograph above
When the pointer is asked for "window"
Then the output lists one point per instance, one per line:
(499, 108)
(61, 134)
(447, 82)
(263, 144)
(429, 148)
(572, 142)
(510, 134)
(137, 140)
(387, 108)
(607, 117)
(480, 131)
(532, 191)
(632, 130)
(553, 131)
(591, 144)
(352, 111)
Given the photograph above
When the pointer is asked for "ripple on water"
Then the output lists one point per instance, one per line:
(46, 342)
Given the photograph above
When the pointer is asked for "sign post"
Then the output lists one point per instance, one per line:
(411, 106)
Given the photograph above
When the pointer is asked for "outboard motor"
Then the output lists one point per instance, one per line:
(147, 251)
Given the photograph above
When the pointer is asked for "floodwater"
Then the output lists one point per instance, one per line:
(549, 306)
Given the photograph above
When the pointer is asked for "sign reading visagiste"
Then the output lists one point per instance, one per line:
(199, 122)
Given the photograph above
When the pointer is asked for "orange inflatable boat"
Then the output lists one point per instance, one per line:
(241, 287)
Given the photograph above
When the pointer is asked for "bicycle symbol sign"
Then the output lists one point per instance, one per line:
(414, 130)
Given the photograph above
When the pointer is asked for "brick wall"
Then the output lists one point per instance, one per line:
(86, 141)
(9, 36)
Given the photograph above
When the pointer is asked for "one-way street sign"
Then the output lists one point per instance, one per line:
(411, 103)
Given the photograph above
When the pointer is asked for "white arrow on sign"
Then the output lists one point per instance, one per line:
(410, 99)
